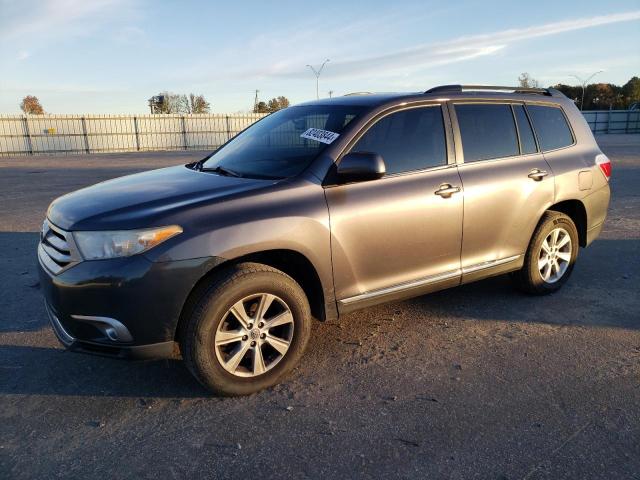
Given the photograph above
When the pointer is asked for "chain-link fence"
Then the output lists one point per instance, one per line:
(75, 134)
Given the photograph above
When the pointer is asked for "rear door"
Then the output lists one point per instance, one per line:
(507, 184)
(394, 236)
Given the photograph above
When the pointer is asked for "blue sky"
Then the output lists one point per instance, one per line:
(110, 56)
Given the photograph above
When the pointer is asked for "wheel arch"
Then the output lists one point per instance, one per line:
(291, 262)
(577, 212)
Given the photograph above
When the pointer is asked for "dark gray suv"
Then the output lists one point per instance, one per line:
(318, 210)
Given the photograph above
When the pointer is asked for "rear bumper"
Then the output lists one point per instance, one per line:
(594, 233)
(597, 206)
(124, 307)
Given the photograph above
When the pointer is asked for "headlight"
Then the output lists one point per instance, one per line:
(124, 243)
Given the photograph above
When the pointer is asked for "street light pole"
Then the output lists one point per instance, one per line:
(584, 84)
(317, 74)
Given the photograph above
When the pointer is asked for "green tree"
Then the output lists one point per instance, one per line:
(278, 103)
(571, 91)
(603, 96)
(261, 107)
(631, 90)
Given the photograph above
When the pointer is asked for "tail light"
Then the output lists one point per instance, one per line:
(605, 164)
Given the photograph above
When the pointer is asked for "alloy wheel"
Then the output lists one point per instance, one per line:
(254, 335)
(555, 255)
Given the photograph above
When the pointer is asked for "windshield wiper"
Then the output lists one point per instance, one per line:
(220, 170)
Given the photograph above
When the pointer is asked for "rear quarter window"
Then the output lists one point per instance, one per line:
(551, 127)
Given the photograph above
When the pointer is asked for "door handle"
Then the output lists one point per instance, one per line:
(537, 174)
(446, 190)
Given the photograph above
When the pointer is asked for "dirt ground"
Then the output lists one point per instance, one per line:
(475, 382)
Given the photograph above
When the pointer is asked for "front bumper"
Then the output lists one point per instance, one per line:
(122, 307)
(133, 352)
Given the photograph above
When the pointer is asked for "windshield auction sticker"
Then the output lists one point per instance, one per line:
(324, 136)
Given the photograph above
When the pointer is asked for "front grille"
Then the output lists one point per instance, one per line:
(56, 249)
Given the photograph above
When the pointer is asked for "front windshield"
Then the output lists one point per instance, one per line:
(278, 145)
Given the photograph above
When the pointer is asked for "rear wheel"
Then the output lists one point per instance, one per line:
(550, 257)
(247, 331)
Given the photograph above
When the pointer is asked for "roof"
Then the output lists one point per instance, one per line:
(449, 91)
(361, 99)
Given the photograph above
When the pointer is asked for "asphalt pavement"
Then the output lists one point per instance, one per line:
(474, 382)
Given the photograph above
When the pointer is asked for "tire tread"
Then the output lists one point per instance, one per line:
(223, 280)
(526, 279)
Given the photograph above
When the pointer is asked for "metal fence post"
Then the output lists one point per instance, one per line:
(228, 127)
(135, 129)
(84, 133)
(25, 120)
(626, 125)
(609, 121)
(184, 133)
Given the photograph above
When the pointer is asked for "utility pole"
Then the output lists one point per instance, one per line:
(330, 93)
(583, 83)
(317, 74)
(255, 102)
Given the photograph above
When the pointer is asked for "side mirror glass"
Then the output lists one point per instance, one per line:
(360, 166)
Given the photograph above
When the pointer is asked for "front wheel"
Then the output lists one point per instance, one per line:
(247, 331)
(550, 257)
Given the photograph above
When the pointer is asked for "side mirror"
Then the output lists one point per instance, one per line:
(360, 166)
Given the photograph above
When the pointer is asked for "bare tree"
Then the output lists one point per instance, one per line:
(31, 105)
(167, 102)
(198, 104)
(527, 81)
(160, 103)
(181, 104)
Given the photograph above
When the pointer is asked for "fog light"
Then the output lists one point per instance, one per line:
(110, 327)
(111, 333)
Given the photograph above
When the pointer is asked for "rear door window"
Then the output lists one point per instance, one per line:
(488, 131)
(551, 127)
(527, 140)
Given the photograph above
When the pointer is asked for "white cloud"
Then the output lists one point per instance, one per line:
(54, 18)
(456, 50)
(23, 55)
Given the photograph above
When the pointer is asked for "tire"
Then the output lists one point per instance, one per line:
(530, 279)
(233, 301)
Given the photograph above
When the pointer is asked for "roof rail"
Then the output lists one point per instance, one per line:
(551, 92)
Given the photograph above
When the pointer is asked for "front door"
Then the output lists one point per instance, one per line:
(401, 234)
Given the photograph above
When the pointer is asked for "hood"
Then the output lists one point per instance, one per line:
(145, 199)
